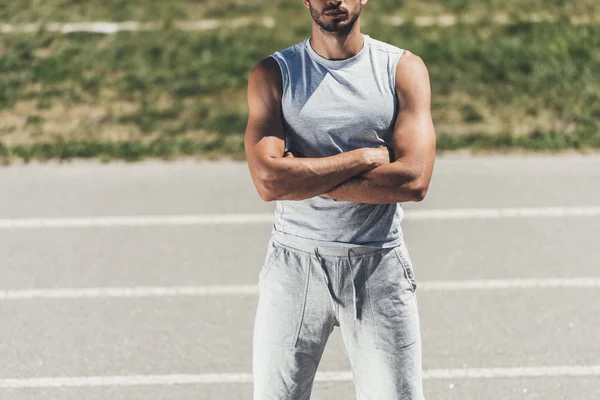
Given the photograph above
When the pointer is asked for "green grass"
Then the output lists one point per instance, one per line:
(167, 148)
(142, 10)
(170, 92)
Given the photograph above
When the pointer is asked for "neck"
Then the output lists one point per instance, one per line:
(333, 47)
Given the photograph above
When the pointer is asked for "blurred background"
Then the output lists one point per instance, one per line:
(122, 280)
(170, 77)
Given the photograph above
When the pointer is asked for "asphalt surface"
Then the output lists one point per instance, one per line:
(526, 329)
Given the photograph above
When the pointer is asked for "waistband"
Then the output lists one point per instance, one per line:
(312, 246)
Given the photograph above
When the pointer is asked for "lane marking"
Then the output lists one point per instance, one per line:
(129, 292)
(245, 290)
(497, 213)
(332, 376)
(131, 221)
(497, 284)
(524, 372)
(235, 219)
(110, 27)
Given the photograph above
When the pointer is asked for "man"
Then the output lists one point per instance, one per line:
(339, 133)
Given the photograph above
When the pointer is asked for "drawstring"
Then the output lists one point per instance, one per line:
(353, 273)
(353, 276)
(325, 277)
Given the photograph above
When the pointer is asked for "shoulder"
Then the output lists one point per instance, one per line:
(269, 70)
(406, 59)
(291, 52)
(412, 81)
(265, 69)
(410, 62)
(379, 46)
(266, 75)
(411, 70)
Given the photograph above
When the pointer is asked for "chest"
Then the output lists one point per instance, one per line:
(338, 111)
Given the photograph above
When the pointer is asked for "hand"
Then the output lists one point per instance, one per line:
(288, 154)
(377, 157)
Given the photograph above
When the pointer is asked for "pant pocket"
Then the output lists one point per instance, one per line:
(273, 252)
(391, 292)
(283, 296)
(401, 253)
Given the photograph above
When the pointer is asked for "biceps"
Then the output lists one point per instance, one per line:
(265, 131)
(264, 137)
(263, 143)
(414, 136)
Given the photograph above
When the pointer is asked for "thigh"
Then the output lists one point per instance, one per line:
(384, 345)
(292, 325)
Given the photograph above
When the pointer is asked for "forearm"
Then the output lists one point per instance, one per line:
(290, 178)
(387, 184)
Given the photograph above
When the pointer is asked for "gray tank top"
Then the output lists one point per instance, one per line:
(331, 107)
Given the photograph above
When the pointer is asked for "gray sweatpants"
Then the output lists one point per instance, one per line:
(305, 291)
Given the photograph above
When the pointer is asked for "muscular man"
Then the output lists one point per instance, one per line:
(339, 133)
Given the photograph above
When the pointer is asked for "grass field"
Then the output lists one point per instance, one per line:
(166, 93)
(145, 10)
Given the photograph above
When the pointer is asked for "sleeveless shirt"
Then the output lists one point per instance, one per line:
(330, 107)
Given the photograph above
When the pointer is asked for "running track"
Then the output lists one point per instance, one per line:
(138, 281)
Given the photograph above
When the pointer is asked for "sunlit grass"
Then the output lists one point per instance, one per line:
(163, 93)
(144, 10)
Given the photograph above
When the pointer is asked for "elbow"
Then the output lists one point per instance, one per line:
(268, 196)
(267, 187)
(266, 192)
(419, 195)
(418, 190)
(265, 195)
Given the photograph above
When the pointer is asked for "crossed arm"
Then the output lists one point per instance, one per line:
(363, 175)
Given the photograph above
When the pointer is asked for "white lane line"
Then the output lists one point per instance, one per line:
(131, 221)
(110, 27)
(497, 213)
(228, 219)
(524, 372)
(332, 376)
(245, 290)
(496, 284)
(129, 292)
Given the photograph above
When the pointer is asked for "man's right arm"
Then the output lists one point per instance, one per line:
(291, 178)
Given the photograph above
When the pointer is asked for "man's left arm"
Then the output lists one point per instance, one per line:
(413, 145)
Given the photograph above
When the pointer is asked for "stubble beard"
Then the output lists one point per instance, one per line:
(338, 29)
